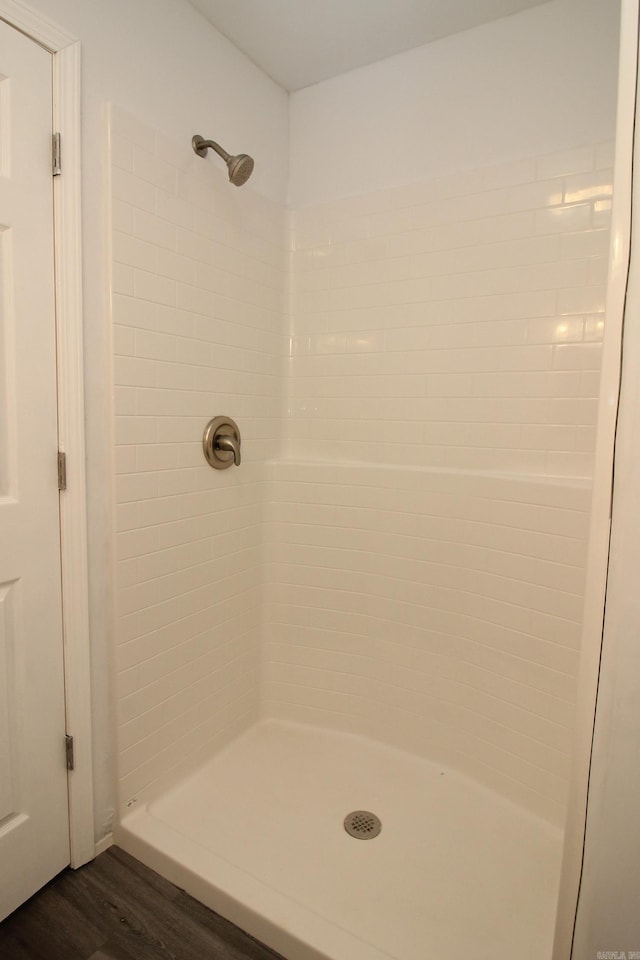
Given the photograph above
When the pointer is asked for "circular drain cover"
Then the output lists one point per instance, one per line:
(362, 824)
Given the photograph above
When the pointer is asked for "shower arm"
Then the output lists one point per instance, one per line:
(200, 145)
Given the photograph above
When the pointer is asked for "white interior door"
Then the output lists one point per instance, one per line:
(34, 830)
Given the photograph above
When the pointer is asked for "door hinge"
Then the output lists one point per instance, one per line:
(56, 155)
(62, 470)
(68, 740)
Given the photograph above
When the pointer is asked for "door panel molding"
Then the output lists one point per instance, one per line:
(69, 336)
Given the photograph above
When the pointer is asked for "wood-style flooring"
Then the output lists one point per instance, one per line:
(117, 909)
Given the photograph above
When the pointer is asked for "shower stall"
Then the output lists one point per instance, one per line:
(347, 666)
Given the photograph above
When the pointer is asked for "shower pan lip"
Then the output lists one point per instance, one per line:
(243, 899)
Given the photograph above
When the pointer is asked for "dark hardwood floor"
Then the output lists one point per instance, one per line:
(117, 909)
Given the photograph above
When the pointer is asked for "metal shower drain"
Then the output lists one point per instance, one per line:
(362, 824)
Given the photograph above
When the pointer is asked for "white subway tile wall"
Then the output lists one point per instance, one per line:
(401, 554)
(197, 304)
(455, 323)
(438, 611)
(452, 331)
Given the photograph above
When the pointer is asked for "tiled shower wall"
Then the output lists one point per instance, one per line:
(420, 528)
(437, 611)
(455, 323)
(446, 337)
(198, 286)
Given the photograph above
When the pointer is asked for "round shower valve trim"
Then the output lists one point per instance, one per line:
(221, 443)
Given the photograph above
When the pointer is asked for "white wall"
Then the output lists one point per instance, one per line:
(166, 64)
(541, 81)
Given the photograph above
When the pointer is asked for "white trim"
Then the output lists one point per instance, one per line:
(104, 844)
(73, 522)
(600, 528)
(35, 25)
(73, 525)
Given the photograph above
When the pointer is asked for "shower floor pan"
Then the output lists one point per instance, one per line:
(257, 834)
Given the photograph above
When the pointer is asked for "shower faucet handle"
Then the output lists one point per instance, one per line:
(221, 443)
(231, 445)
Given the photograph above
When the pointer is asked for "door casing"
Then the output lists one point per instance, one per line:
(602, 491)
(65, 50)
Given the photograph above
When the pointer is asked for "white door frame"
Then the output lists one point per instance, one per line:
(65, 50)
(600, 525)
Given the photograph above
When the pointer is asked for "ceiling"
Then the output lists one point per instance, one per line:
(300, 42)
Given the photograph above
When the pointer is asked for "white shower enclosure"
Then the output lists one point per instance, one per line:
(381, 608)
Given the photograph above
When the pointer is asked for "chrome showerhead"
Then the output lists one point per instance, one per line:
(240, 167)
